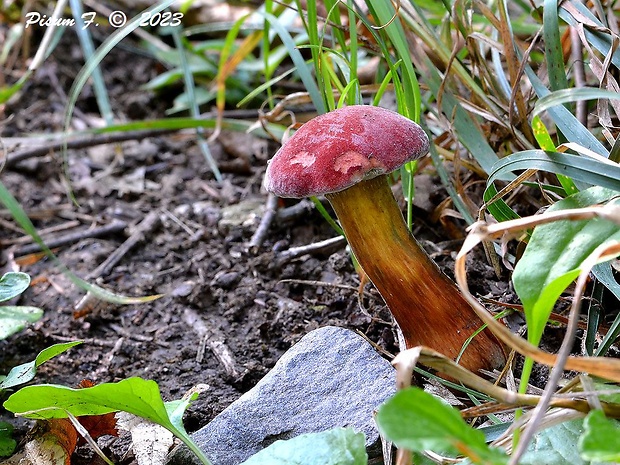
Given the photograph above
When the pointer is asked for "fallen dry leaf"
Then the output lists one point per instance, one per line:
(150, 442)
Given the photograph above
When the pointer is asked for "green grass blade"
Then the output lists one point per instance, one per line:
(111, 42)
(444, 176)
(546, 143)
(7, 92)
(384, 13)
(553, 46)
(465, 128)
(566, 122)
(302, 68)
(562, 96)
(588, 170)
(188, 123)
(190, 89)
(602, 42)
(604, 273)
(19, 215)
(88, 47)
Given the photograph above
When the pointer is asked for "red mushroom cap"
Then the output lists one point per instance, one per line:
(338, 149)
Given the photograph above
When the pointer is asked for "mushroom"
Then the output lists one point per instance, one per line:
(346, 155)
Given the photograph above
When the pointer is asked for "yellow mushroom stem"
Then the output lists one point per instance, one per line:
(426, 304)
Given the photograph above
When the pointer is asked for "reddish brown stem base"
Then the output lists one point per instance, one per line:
(426, 304)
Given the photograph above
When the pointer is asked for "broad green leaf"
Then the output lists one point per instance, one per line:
(601, 438)
(176, 409)
(14, 319)
(339, 446)
(417, 421)
(13, 284)
(555, 446)
(607, 391)
(133, 395)
(23, 373)
(7, 443)
(554, 255)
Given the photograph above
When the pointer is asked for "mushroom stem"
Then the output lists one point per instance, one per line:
(426, 304)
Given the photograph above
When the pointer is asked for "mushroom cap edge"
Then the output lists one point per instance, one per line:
(338, 149)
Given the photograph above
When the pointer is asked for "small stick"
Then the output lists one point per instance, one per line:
(263, 228)
(149, 223)
(27, 239)
(89, 302)
(89, 140)
(310, 282)
(85, 340)
(326, 246)
(214, 339)
(289, 214)
(111, 228)
(579, 74)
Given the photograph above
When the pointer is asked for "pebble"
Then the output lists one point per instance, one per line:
(331, 378)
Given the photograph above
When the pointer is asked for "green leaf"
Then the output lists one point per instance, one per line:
(21, 374)
(555, 446)
(7, 92)
(133, 395)
(554, 255)
(13, 284)
(14, 319)
(7, 443)
(176, 409)
(339, 446)
(601, 438)
(417, 421)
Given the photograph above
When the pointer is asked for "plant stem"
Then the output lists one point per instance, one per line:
(426, 304)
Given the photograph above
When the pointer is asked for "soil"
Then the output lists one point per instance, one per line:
(196, 254)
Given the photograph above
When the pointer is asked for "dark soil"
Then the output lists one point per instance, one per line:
(196, 255)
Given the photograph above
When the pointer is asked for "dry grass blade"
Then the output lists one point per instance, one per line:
(407, 360)
(602, 251)
(604, 367)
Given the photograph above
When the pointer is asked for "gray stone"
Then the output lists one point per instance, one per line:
(331, 378)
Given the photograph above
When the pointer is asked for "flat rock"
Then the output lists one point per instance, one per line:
(331, 378)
